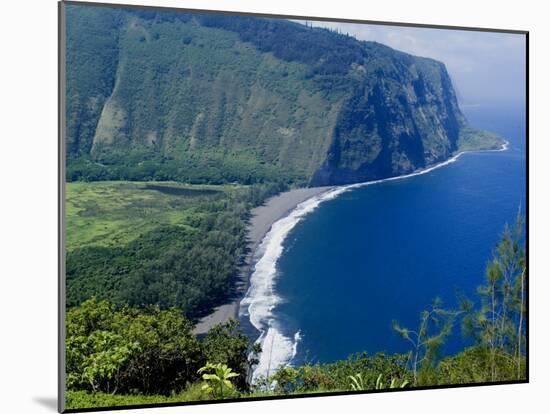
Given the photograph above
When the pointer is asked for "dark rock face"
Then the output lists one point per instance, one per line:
(399, 121)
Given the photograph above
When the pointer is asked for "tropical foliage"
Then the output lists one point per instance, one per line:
(425, 343)
(125, 355)
(496, 324)
(217, 380)
(369, 371)
(168, 244)
(147, 351)
(357, 383)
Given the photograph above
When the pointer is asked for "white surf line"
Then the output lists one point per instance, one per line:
(260, 300)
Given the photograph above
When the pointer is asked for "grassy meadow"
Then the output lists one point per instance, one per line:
(114, 213)
(156, 243)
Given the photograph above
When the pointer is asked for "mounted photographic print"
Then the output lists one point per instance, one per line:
(259, 207)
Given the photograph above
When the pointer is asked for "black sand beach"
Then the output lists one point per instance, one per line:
(261, 221)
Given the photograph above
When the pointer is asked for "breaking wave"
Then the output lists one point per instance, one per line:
(261, 298)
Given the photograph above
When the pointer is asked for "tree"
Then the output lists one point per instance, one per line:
(103, 367)
(499, 323)
(95, 355)
(473, 365)
(425, 344)
(169, 352)
(225, 344)
(120, 350)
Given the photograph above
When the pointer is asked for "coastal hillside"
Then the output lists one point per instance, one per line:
(212, 248)
(215, 99)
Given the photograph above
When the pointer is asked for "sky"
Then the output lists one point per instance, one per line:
(486, 68)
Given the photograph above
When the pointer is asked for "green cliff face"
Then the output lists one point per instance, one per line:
(207, 98)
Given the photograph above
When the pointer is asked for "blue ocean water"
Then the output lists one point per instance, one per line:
(383, 252)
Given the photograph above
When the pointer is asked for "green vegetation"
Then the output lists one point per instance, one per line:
(217, 380)
(83, 399)
(209, 166)
(110, 214)
(166, 244)
(207, 99)
(393, 384)
(148, 351)
(90, 71)
(473, 140)
(194, 104)
(124, 355)
(425, 343)
(496, 324)
(357, 383)
(114, 351)
(179, 124)
(336, 376)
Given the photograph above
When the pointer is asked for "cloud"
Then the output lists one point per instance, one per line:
(485, 67)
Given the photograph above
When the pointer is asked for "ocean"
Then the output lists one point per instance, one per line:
(333, 275)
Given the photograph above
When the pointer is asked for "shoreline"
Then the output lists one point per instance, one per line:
(279, 345)
(276, 208)
(261, 220)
